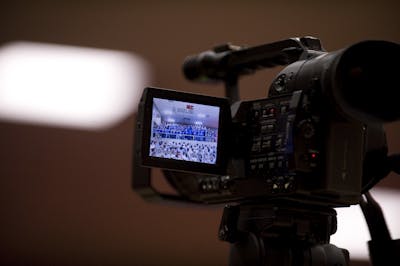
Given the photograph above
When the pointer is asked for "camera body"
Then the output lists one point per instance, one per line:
(270, 148)
(309, 141)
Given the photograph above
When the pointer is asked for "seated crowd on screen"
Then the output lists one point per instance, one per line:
(182, 131)
(194, 143)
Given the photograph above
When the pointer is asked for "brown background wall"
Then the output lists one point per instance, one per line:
(65, 195)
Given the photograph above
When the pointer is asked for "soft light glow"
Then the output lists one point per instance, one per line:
(68, 86)
(353, 232)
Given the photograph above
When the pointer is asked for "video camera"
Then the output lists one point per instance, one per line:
(316, 139)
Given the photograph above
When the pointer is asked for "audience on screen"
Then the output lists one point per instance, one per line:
(196, 143)
(182, 131)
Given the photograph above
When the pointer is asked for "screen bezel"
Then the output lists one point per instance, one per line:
(181, 165)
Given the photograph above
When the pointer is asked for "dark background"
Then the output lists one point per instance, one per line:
(65, 195)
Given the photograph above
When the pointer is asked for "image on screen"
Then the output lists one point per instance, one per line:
(184, 131)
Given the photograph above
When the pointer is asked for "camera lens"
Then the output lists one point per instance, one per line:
(367, 80)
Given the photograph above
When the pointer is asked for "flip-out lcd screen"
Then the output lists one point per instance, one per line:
(184, 131)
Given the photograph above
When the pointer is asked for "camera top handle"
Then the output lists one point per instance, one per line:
(227, 62)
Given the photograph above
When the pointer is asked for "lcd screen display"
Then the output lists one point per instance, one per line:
(184, 131)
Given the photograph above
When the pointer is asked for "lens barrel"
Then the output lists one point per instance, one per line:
(367, 80)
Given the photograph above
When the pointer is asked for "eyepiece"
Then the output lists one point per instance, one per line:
(205, 67)
(191, 68)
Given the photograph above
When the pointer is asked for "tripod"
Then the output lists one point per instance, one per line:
(281, 234)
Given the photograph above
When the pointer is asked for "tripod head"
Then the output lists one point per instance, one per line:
(281, 234)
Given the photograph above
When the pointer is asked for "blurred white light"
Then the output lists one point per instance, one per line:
(201, 115)
(353, 232)
(171, 120)
(198, 123)
(69, 86)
